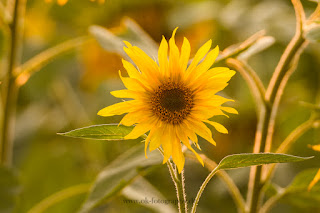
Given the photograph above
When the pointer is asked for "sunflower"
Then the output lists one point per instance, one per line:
(171, 100)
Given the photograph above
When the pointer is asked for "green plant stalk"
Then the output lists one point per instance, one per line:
(203, 186)
(181, 190)
(11, 90)
(278, 80)
(232, 188)
(178, 180)
(286, 144)
(271, 202)
(253, 81)
(59, 196)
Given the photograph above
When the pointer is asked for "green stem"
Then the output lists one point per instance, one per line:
(274, 92)
(271, 202)
(11, 89)
(178, 180)
(182, 194)
(203, 186)
(231, 186)
(252, 79)
(290, 139)
(59, 196)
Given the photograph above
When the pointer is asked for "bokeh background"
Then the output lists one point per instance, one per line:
(67, 94)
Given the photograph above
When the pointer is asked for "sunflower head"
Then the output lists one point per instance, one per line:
(171, 99)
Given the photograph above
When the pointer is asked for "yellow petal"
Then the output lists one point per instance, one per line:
(204, 113)
(127, 44)
(185, 54)
(201, 129)
(167, 143)
(199, 55)
(119, 108)
(229, 110)
(316, 147)
(177, 155)
(125, 94)
(146, 65)
(132, 84)
(134, 117)
(173, 57)
(163, 56)
(214, 101)
(148, 140)
(183, 137)
(314, 181)
(139, 130)
(131, 70)
(205, 65)
(156, 139)
(217, 126)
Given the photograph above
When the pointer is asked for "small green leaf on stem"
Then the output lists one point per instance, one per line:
(252, 159)
(100, 132)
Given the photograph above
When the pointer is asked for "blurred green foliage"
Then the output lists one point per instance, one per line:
(68, 93)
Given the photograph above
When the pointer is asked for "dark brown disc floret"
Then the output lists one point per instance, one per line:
(172, 102)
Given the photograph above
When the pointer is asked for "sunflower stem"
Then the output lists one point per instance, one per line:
(178, 180)
(10, 86)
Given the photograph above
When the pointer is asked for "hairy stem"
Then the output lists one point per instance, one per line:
(178, 180)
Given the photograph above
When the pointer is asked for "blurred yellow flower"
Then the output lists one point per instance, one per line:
(63, 2)
(172, 100)
(317, 177)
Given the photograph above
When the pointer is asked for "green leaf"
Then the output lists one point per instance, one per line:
(251, 159)
(100, 132)
(297, 192)
(9, 190)
(148, 196)
(119, 174)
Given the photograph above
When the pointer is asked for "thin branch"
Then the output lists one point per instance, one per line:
(23, 72)
(278, 80)
(253, 81)
(271, 202)
(231, 186)
(203, 186)
(232, 51)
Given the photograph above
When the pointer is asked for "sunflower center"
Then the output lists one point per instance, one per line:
(172, 102)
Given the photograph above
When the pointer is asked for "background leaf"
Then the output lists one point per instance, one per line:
(297, 192)
(131, 32)
(244, 160)
(9, 190)
(100, 132)
(142, 190)
(119, 174)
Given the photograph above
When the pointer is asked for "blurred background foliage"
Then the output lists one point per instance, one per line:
(68, 93)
